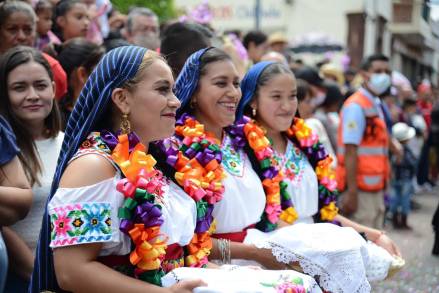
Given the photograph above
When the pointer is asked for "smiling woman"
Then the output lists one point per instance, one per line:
(27, 102)
(114, 222)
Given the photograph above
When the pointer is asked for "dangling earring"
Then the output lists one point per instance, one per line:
(254, 112)
(125, 126)
(192, 103)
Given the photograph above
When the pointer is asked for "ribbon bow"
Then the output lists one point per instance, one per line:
(329, 212)
(131, 164)
(273, 211)
(149, 214)
(199, 249)
(289, 215)
(150, 249)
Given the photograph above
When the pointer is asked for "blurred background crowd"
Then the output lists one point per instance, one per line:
(323, 42)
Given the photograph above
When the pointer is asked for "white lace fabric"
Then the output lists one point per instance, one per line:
(337, 257)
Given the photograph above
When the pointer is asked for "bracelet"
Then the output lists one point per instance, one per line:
(224, 249)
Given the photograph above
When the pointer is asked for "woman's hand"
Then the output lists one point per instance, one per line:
(267, 259)
(385, 242)
(187, 286)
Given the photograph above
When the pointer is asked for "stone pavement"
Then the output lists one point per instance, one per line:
(421, 273)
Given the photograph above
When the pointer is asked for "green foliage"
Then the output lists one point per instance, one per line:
(165, 9)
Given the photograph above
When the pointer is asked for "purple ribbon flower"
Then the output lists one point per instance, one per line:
(148, 214)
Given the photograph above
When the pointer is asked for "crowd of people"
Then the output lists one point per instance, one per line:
(131, 148)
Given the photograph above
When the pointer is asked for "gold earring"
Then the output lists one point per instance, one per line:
(254, 112)
(125, 126)
(192, 103)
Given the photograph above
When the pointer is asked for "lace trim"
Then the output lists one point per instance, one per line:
(324, 278)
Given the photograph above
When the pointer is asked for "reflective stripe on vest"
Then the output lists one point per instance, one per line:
(366, 150)
(371, 112)
(372, 152)
(372, 179)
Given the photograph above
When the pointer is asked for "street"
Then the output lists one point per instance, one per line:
(421, 273)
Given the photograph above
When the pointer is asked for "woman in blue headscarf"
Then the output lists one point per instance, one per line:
(114, 223)
(271, 97)
(249, 201)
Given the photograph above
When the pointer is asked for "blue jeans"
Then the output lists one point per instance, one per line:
(3, 263)
(402, 191)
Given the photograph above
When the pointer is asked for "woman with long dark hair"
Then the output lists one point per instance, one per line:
(27, 102)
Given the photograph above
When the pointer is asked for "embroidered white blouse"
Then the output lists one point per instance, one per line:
(88, 214)
(243, 201)
(302, 182)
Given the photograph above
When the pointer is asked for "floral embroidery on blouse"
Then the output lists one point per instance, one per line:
(80, 223)
(286, 284)
(292, 163)
(232, 160)
(91, 145)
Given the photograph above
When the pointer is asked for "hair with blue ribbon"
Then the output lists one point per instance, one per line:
(116, 67)
(187, 80)
(249, 85)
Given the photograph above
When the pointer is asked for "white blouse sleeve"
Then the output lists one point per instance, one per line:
(88, 215)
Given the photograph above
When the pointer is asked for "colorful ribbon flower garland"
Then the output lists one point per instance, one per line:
(309, 144)
(197, 162)
(141, 215)
(278, 202)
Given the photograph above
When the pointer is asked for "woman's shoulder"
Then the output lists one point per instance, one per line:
(86, 170)
(8, 145)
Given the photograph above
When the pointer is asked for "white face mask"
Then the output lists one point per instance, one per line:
(379, 83)
(318, 100)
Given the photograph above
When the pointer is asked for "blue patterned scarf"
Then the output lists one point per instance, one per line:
(187, 80)
(116, 67)
(248, 86)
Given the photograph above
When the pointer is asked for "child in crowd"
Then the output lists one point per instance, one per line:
(403, 174)
(71, 19)
(44, 12)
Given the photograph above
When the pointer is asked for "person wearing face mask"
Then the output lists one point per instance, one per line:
(363, 142)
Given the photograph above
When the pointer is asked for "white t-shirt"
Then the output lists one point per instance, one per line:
(29, 227)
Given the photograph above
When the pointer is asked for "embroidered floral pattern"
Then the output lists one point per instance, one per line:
(92, 144)
(308, 142)
(278, 202)
(286, 284)
(232, 159)
(80, 223)
(94, 141)
(291, 164)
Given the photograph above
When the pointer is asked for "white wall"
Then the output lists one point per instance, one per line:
(373, 9)
(239, 14)
(327, 16)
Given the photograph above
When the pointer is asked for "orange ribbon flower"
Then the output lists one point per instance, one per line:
(150, 248)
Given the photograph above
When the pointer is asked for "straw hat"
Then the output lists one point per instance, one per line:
(277, 37)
